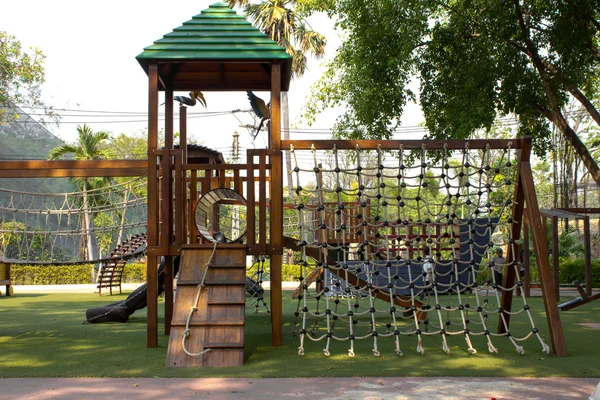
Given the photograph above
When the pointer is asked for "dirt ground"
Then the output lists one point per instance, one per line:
(310, 388)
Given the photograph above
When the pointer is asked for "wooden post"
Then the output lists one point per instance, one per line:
(527, 282)
(517, 219)
(588, 255)
(184, 234)
(541, 247)
(276, 210)
(151, 270)
(167, 208)
(555, 260)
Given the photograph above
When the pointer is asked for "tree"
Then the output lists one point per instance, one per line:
(21, 76)
(90, 145)
(475, 60)
(285, 24)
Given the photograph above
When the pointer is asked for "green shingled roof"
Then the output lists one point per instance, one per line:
(216, 34)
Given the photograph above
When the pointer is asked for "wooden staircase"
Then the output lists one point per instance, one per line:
(218, 324)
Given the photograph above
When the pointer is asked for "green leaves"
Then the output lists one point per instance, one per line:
(475, 61)
(21, 76)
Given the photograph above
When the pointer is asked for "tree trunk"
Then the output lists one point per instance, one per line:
(285, 119)
(556, 115)
(581, 150)
(123, 219)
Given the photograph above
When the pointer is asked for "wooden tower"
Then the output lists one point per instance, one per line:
(216, 50)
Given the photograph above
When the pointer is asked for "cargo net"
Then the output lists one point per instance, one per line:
(75, 227)
(401, 246)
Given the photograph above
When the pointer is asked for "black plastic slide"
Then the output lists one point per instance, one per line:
(121, 310)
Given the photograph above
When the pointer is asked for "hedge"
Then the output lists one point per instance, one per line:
(68, 274)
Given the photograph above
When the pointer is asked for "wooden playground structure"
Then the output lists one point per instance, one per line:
(219, 51)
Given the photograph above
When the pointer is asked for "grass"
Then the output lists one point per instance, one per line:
(42, 335)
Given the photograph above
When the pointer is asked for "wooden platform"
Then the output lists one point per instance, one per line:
(218, 324)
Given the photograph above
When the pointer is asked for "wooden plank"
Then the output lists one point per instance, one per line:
(406, 144)
(68, 173)
(526, 255)
(193, 200)
(218, 322)
(151, 266)
(541, 247)
(524, 156)
(251, 208)
(167, 207)
(276, 210)
(262, 202)
(555, 258)
(588, 255)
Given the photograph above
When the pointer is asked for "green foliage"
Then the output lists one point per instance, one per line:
(69, 274)
(574, 270)
(284, 22)
(132, 146)
(475, 61)
(10, 235)
(289, 272)
(21, 75)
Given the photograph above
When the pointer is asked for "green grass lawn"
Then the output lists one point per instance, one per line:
(42, 335)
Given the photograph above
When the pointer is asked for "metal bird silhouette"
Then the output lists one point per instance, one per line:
(191, 101)
(260, 108)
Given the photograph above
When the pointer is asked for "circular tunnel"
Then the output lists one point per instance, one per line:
(220, 216)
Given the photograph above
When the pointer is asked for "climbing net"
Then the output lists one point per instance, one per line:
(402, 243)
(70, 227)
(255, 293)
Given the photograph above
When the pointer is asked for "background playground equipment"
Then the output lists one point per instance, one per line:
(5, 278)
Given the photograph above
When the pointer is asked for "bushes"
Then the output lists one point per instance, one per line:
(289, 272)
(574, 270)
(68, 274)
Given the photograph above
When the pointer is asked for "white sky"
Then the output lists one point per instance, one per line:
(90, 50)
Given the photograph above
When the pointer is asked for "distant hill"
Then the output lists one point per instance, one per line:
(26, 139)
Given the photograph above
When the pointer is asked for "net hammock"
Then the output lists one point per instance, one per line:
(398, 247)
(64, 228)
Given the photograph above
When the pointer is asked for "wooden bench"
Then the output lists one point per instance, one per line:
(5, 278)
(111, 272)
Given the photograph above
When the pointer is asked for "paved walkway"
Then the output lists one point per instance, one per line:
(309, 388)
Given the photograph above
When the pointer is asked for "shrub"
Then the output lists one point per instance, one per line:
(289, 272)
(68, 274)
(574, 270)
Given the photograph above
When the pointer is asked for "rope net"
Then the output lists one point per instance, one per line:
(70, 227)
(399, 247)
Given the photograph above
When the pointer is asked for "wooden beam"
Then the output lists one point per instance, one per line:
(152, 274)
(541, 248)
(276, 210)
(524, 155)
(406, 144)
(167, 208)
(72, 168)
(555, 259)
(527, 282)
(588, 255)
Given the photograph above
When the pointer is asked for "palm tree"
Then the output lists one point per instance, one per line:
(280, 20)
(89, 146)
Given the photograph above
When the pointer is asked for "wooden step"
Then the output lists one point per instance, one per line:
(208, 323)
(226, 302)
(210, 282)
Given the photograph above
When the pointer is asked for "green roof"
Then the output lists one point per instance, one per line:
(216, 34)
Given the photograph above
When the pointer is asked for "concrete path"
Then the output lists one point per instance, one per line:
(308, 388)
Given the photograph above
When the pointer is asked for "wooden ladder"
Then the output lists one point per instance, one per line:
(218, 324)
